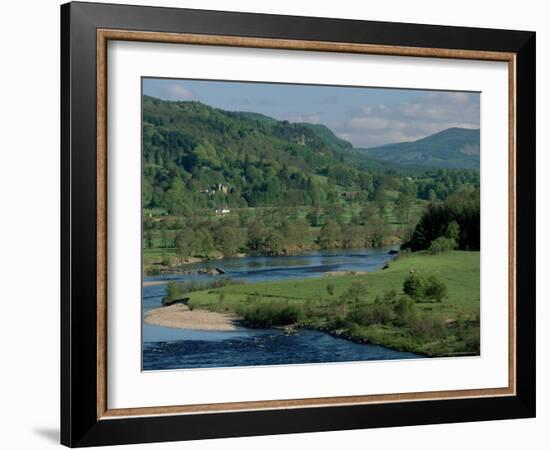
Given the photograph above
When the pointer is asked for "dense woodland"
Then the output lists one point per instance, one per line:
(219, 183)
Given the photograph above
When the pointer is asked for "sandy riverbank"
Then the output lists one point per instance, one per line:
(155, 283)
(180, 316)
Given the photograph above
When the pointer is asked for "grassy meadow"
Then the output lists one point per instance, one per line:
(435, 328)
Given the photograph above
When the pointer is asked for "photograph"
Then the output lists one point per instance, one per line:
(298, 224)
(289, 224)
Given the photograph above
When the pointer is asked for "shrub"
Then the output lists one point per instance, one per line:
(172, 293)
(165, 259)
(371, 314)
(471, 343)
(404, 309)
(413, 286)
(425, 326)
(262, 313)
(441, 245)
(330, 289)
(425, 289)
(436, 290)
(389, 296)
(356, 292)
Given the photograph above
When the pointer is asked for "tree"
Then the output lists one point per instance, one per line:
(164, 238)
(176, 198)
(380, 197)
(149, 238)
(414, 286)
(146, 192)
(335, 212)
(314, 217)
(423, 289)
(329, 235)
(441, 245)
(453, 231)
(230, 240)
(184, 243)
(256, 235)
(377, 230)
(275, 242)
(298, 233)
(404, 203)
(204, 243)
(462, 208)
(364, 179)
(352, 236)
(368, 212)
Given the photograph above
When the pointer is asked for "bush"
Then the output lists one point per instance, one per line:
(390, 296)
(404, 309)
(270, 313)
(414, 287)
(371, 314)
(424, 289)
(441, 245)
(172, 293)
(471, 343)
(425, 326)
(436, 290)
(356, 292)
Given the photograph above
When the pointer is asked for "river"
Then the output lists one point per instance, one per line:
(168, 348)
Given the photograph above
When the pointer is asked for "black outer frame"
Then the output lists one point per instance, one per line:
(79, 423)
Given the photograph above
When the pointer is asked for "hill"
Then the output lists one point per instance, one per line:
(198, 156)
(328, 136)
(453, 148)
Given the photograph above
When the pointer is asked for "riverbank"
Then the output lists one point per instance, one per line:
(181, 316)
(155, 283)
(176, 266)
(446, 328)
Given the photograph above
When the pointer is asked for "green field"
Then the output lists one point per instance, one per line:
(362, 307)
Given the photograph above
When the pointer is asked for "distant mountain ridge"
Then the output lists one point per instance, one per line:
(453, 148)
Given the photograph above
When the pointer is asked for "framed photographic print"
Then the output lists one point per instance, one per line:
(276, 224)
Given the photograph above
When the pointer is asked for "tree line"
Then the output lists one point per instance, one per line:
(269, 231)
(454, 223)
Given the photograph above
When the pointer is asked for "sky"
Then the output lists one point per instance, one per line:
(366, 117)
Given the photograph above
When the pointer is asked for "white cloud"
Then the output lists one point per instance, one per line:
(309, 118)
(175, 91)
(372, 125)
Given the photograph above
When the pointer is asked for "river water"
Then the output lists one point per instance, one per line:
(169, 348)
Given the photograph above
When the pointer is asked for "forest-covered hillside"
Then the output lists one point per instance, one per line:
(237, 159)
(196, 156)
